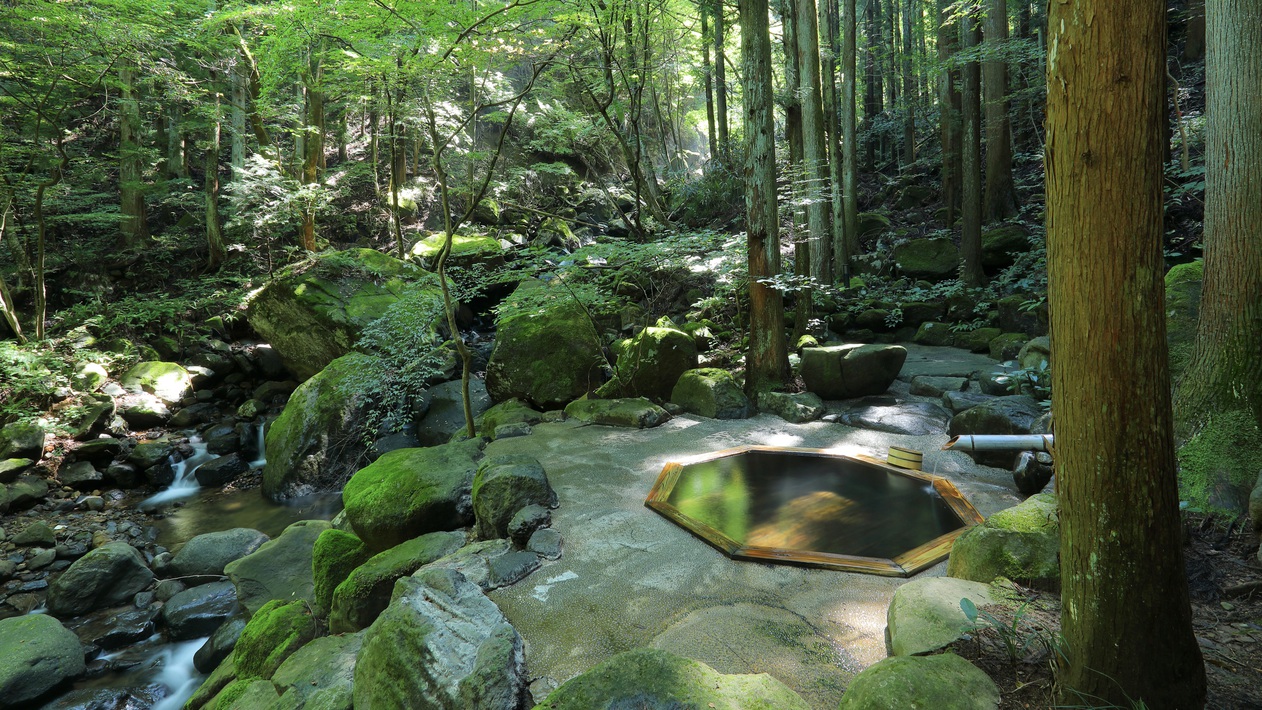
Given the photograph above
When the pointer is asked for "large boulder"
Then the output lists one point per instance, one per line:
(1183, 307)
(504, 485)
(852, 370)
(636, 413)
(313, 312)
(1001, 246)
(932, 259)
(319, 440)
(336, 554)
(443, 405)
(410, 492)
(925, 614)
(547, 351)
(39, 654)
(650, 364)
(796, 407)
(279, 569)
(108, 576)
(167, 381)
(1021, 543)
(491, 564)
(320, 674)
(914, 418)
(22, 440)
(276, 631)
(199, 610)
(943, 682)
(443, 640)
(513, 411)
(711, 392)
(466, 250)
(360, 599)
(657, 680)
(23, 492)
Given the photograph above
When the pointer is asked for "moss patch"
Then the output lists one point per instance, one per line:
(1218, 466)
(274, 632)
(335, 555)
(365, 593)
(1183, 306)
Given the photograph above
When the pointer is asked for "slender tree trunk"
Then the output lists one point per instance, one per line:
(951, 107)
(814, 143)
(1000, 201)
(313, 141)
(909, 89)
(830, 22)
(850, 139)
(1225, 371)
(214, 233)
(240, 98)
(1121, 538)
(720, 79)
(971, 165)
(133, 222)
(766, 364)
(7, 308)
(889, 67)
(707, 76)
(798, 233)
(872, 88)
(176, 167)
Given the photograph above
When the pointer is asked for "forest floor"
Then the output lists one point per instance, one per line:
(1225, 580)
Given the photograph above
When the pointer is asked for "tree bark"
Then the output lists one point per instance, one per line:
(720, 80)
(971, 163)
(909, 90)
(1001, 194)
(240, 98)
(831, 24)
(814, 143)
(850, 145)
(133, 222)
(1121, 547)
(951, 105)
(798, 233)
(872, 91)
(214, 232)
(707, 76)
(1225, 371)
(312, 146)
(767, 363)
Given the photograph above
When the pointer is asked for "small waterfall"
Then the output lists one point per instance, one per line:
(185, 483)
(172, 667)
(260, 457)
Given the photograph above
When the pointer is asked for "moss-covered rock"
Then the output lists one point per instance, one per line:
(279, 569)
(1036, 354)
(320, 675)
(1020, 314)
(636, 413)
(275, 631)
(711, 392)
(943, 682)
(934, 334)
(1001, 245)
(925, 614)
(254, 694)
(318, 441)
(107, 576)
(932, 259)
(917, 312)
(1183, 307)
(312, 312)
(872, 223)
(504, 485)
(410, 492)
(206, 694)
(466, 250)
(651, 363)
(513, 411)
(1219, 465)
(39, 654)
(1021, 543)
(1007, 346)
(23, 439)
(851, 370)
(657, 680)
(360, 599)
(335, 555)
(547, 351)
(978, 339)
(165, 380)
(796, 407)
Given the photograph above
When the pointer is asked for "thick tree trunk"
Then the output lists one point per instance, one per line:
(971, 164)
(850, 145)
(798, 233)
(814, 143)
(1121, 539)
(950, 104)
(830, 22)
(1225, 372)
(313, 143)
(1001, 194)
(1194, 43)
(133, 222)
(766, 363)
(720, 79)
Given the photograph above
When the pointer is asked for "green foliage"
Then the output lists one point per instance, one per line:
(178, 313)
(719, 194)
(29, 375)
(1221, 462)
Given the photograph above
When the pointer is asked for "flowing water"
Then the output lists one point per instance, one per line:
(185, 484)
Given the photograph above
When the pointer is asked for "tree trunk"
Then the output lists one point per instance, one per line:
(951, 106)
(707, 76)
(720, 79)
(909, 90)
(1001, 195)
(7, 308)
(798, 235)
(1194, 43)
(240, 98)
(872, 90)
(313, 142)
(850, 145)
(133, 222)
(831, 24)
(1121, 539)
(1225, 371)
(767, 363)
(814, 143)
(214, 233)
(176, 167)
(971, 164)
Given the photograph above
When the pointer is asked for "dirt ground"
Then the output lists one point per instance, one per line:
(1225, 580)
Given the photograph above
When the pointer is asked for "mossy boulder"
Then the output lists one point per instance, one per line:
(275, 631)
(930, 259)
(513, 411)
(914, 196)
(925, 614)
(207, 554)
(1007, 346)
(1021, 314)
(634, 413)
(360, 599)
(1183, 307)
(443, 640)
(872, 223)
(1219, 465)
(313, 311)
(108, 576)
(1008, 414)
(410, 492)
(796, 407)
(334, 556)
(1001, 245)
(943, 682)
(978, 339)
(318, 441)
(23, 439)
(917, 312)
(1021, 543)
(39, 654)
(851, 370)
(933, 333)
(547, 352)
(658, 680)
(319, 675)
(504, 485)
(711, 392)
(466, 250)
(279, 569)
(1036, 354)
(167, 381)
(650, 364)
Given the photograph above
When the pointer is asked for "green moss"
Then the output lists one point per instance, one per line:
(650, 364)
(366, 591)
(1218, 466)
(1021, 543)
(335, 555)
(223, 675)
(465, 249)
(513, 411)
(927, 258)
(275, 631)
(1183, 305)
(230, 694)
(941, 682)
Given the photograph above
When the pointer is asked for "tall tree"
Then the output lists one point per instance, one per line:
(1121, 539)
(767, 362)
(971, 151)
(909, 88)
(830, 30)
(134, 221)
(814, 143)
(1001, 194)
(850, 146)
(1225, 372)
(720, 78)
(872, 86)
(707, 76)
(950, 103)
